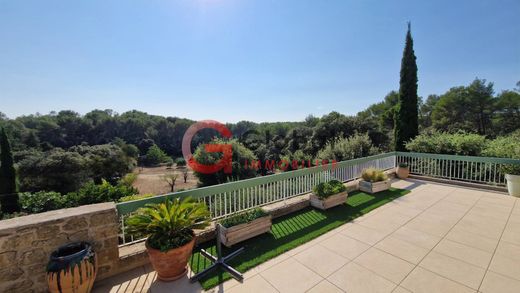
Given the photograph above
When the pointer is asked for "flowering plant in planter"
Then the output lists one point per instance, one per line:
(328, 194)
(244, 225)
(374, 180)
(169, 227)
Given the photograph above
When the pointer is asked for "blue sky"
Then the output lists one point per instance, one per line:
(231, 60)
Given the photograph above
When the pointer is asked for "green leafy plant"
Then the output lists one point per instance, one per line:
(170, 224)
(326, 189)
(135, 197)
(41, 201)
(180, 162)
(373, 175)
(403, 165)
(242, 218)
(510, 169)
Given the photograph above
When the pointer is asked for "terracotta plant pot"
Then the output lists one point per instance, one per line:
(402, 172)
(72, 268)
(172, 264)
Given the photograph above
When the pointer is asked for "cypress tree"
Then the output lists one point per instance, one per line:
(406, 125)
(8, 188)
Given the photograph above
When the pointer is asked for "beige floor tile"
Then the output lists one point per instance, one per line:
(430, 226)
(499, 213)
(415, 237)
(506, 266)
(307, 245)
(512, 232)
(465, 253)
(354, 278)
(399, 289)
(291, 276)
(471, 239)
(482, 228)
(364, 234)
(182, 285)
(411, 212)
(325, 287)
(498, 199)
(509, 250)
(381, 223)
(385, 265)
(494, 283)
(255, 284)
(402, 249)
(345, 246)
(264, 266)
(453, 269)
(463, 198)
(321, 260)
(424, 281)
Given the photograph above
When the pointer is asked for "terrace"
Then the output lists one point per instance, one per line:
(450, 227)
(438, 238)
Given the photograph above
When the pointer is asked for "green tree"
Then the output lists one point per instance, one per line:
(406, 114)
(8, 187)
(341, 149)
(464, 108)
(242, 158)
(155, 156)
(507, 117)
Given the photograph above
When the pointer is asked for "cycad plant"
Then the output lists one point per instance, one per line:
(170, 224)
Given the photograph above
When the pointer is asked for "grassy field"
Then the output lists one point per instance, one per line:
(291, 231)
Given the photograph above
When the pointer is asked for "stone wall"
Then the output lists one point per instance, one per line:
(27, 242)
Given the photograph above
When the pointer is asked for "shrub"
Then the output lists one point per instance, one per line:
(135, 197)
(462, 143)
(326, 189)
(373, 175)
(128, 179)
(242, 218)
(170, 224)
(505, 147)
(155, 156)
(105, 192)
(341, 149)
(240, 155)
(41, 201)
(180, 162)
(403, 165)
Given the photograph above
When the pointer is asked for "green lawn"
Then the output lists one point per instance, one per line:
(290, 231)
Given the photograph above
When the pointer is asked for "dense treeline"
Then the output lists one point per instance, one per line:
(65, 150)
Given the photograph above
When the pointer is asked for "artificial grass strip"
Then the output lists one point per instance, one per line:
(289, 232)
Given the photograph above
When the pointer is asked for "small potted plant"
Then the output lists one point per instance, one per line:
(402, 170)
(244, 225)
(373, 181)
(513, 179)
(169, 227)
(328, 194)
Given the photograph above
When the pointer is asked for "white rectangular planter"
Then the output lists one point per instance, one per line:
(329, 202)
(374, 187)
(233, 235)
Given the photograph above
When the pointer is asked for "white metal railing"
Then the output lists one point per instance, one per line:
(229, 198)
